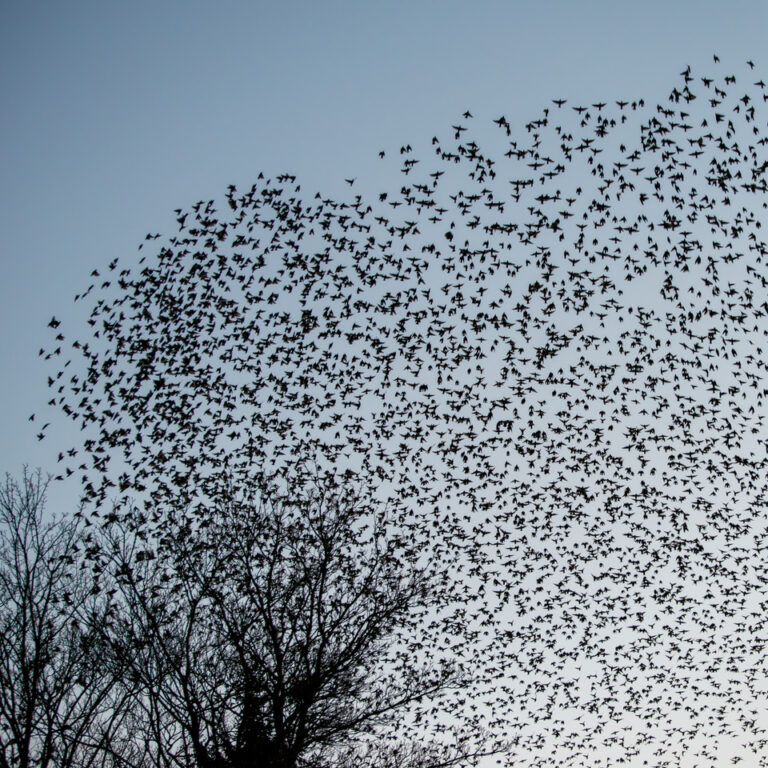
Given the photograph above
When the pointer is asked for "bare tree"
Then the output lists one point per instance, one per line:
(59, 702)
(269, 634)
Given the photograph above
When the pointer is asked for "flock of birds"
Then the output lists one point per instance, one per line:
(543, 351)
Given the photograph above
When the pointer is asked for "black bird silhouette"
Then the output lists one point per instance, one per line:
(545, 353)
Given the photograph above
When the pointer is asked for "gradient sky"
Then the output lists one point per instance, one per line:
(114, 114)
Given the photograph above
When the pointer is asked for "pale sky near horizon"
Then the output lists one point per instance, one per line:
(114, 114)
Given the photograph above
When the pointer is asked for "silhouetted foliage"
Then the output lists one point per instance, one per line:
(60, 704)
(269, 633)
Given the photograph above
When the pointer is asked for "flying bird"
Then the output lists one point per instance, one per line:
(545, 352)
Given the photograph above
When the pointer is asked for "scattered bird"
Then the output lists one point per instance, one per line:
(546, 352)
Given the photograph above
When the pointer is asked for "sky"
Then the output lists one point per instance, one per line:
(115, 114)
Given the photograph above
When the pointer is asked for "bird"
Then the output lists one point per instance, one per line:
(544, 352)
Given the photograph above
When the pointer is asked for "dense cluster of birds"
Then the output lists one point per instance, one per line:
(544, 349)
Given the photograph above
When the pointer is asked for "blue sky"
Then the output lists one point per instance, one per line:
(114, 114)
